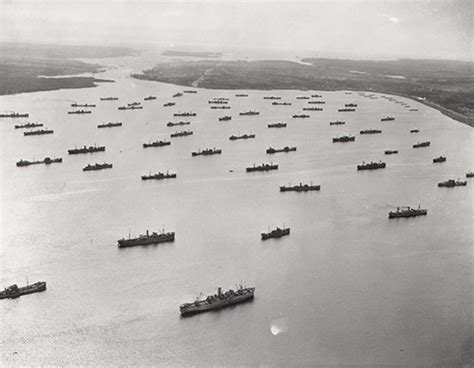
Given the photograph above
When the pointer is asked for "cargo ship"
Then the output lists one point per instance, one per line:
(407, 211)
(414, 131)
(243, 136)
(109, 125)
(132, 107)
(300, 188)
(225, 118)
(439, 159)
(96, 167)
(249, 113)
(134, 104)
(350, 105)
(223, 102)
(370, 131)
(302, 98)
(190, 91)
(207, 152)
(147, 239)
(39, 132)
(422, 144)
(171, 124)
(277, 125)
(177, 94)
(183, 133)
(149, 98)
(13, 291)
(312, 109)
(14, 115)
(285, 149)
(277, 233)
(28, 125)
(241, 95)
(262, 167)
(300, 116)
(316, 102)
(184, 114)
(451, 183)
(371, 165)
(387, 118)
(90, 149)
(337, 122)
(82, 105)
(390, 152)
(169, 104)
(316, 96)
(218, 301)
(271, 98)
(79, 112)
(109, 98)
(220, 107)
(346, 109)
(281, 103)
(159, 176)
(470, 175)
(344, 138)
(156, 144)
(46, 161)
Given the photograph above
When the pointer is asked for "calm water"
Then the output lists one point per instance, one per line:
(347, 287)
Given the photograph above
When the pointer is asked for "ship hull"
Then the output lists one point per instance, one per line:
(137, 242)
(217, 305)
(35, 288)
(393, 215)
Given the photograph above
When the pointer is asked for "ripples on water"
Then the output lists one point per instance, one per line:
(346, 287)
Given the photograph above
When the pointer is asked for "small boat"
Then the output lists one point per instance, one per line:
(277, 233)
(439, 159)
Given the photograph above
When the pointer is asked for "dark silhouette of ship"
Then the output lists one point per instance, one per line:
(350, 105)
(39, 132)
(13, 291)
(422, 144)
(79, 112)
(90, 149)
(224, 107)
(407, 211)
(413, 110)
(316, 96)
(241, 95)
(171, 124)
(300, 188)
(207, 152)
(146, 239)
(249, 113)
(370, 131)
(82, 105)
(243, 136)
(183, 133)
(109, 125)
(346, 109)
(184, 114)
(451, 183)
(169, 104)
(281, 103)
(156, 144)
(109, 98)
(337, 122)
(439, 159)
(271, 98)
(300, 116)
(371, 165)
(387, 118)
(177, 94)
(302, 98)
(223, 102)
(262, 167)
(277, 125)
(46, 161)
(131, 107)
(470, 175)
(159, 176)
(277, 233)
(344, 138)
(316, 102)
(390, 152)
(218, 301)
(414, 131)
(312, 109)
(285, 149)
(28, 125)
(14, 115)
(96, 167)
(149, 98)
(225, 118)
(190, 91)
(134, 103)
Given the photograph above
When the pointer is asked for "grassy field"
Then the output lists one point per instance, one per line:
(445, 85)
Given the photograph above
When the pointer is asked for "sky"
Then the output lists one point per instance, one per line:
(363, 29)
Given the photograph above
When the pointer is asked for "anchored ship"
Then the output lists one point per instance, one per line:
(183, 133)
(224, 102)
(407, 211)
(470, 175)
(337, 122)
(171, 124)
(243, 136)
(109, 125)
(262, 167)
(218, 301)
(184, 114)
(80, 112)
(281, 103)
(14, 115)
(300, 116)
(207, 152)
(46, 161)
(96, 167)
(156, 144)
(371, 165)
(344, 138)
(390, 152)
(249, 113)
(13, 291)
(220, 107)
(277, 125)
(422, 144)
(316, 102)
(300, 188)
(312, 109)
(90, 149)
(190, 91)
(316, 96)
(225, 118)
(387, 118)
(241, 95)
(169, 104)
(277, 233)
(414, 131)
(451, 183)
(82, 105)
(285, 149)
(39, 132)
(302, 98)
(28, 125)
(350, 105)
(147, 239)
(134, 104)
(370, 131)
(159, 176)
(346, 109)
(439, 159)
(109, 98)
(271, 97)
(149, 98)
(132, 107)
(177, 94)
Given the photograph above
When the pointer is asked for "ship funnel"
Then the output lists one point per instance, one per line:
(147, 233)
(219, 291)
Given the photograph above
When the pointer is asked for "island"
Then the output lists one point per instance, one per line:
(444, 85)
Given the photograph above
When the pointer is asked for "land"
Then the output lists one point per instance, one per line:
(199, 54)
(444, 85)
(23, 68)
